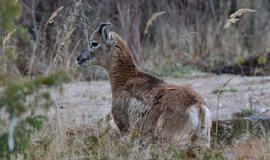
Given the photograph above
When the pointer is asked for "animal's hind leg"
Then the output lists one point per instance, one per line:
(173, 127)
(191, 128)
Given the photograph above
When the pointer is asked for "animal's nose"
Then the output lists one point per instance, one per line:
(82, 58)
(78, 58)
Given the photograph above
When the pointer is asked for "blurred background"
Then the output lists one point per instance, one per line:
(167, 38)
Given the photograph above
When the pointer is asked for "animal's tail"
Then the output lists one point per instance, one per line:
(205, 125)
(200, 120)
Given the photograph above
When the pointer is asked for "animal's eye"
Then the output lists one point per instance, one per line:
(94, 44)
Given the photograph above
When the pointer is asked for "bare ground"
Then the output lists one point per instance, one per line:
(84, 103)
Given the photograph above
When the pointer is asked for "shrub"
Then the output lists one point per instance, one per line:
(20, 100)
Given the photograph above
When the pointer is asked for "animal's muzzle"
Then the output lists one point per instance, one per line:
(83, 57)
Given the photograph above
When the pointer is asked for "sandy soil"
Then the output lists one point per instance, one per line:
(84, 103)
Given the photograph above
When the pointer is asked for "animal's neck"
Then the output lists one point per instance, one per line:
(122, 70)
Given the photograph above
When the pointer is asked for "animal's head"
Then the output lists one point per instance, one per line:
(98, 50)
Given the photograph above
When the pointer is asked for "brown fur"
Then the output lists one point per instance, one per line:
(147, 105)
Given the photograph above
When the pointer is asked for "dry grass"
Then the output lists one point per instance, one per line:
(183, 29)
(252, 149)
(53, 16)
(234, 17)
(152, 19)
(101, 141)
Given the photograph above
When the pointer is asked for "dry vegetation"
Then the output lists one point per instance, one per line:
(189, 36)
(167, 38)
(74, 130)
(101, 141)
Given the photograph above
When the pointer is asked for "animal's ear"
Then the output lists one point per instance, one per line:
(103, 30)
(102, 26)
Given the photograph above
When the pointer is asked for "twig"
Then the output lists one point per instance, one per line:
(197, 61)
(220, 91)
(37, 33)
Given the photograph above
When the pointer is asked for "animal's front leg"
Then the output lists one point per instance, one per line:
(120, 119)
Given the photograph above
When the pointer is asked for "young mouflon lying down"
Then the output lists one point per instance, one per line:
(142, 103)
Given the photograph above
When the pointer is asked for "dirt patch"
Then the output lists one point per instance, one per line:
(84, 103)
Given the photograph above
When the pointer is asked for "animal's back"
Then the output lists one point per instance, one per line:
(169, 113)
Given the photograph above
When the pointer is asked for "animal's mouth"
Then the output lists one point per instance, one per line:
(84, 63)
